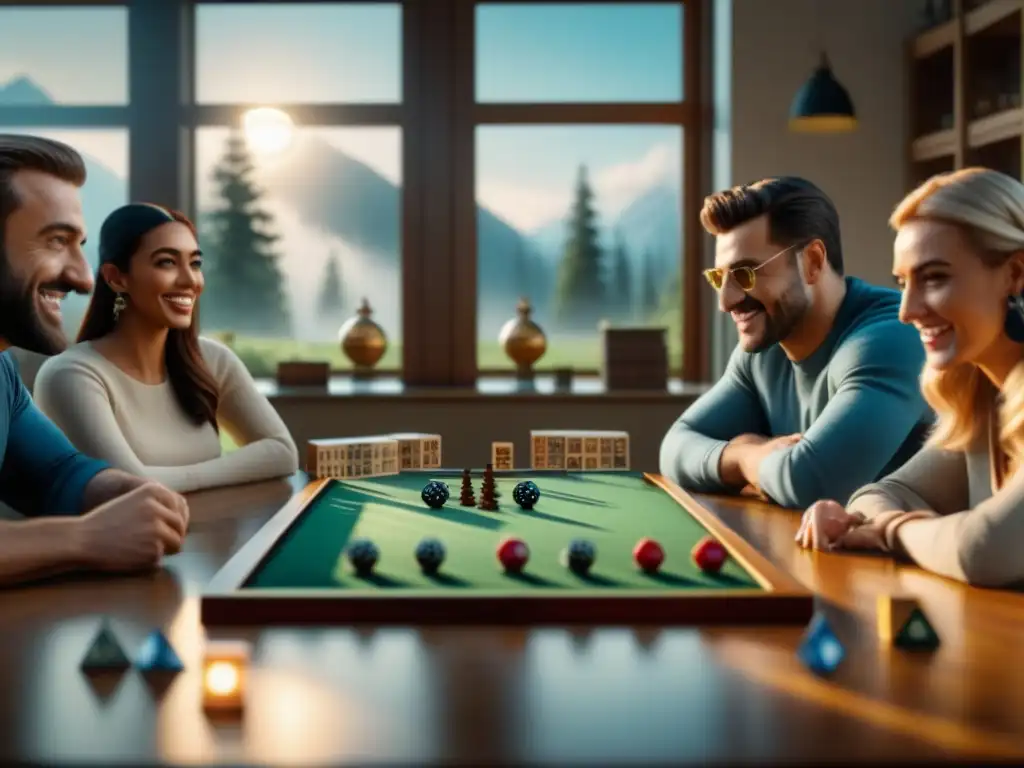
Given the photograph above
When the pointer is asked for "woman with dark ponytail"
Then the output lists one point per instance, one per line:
(141, 389)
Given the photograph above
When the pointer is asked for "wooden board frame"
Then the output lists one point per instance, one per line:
(781, 599)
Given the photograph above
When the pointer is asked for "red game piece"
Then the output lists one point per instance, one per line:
(513, 554)
(709, 555)
(649, 555)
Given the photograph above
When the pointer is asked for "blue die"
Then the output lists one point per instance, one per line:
(820, 649)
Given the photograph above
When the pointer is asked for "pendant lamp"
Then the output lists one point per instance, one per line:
(822, 105)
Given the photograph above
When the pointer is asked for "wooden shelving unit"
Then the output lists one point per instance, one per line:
(966, 100)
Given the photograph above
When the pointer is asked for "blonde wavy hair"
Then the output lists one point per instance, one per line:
(989, 208)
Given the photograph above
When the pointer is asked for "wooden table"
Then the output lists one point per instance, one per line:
(415, 696)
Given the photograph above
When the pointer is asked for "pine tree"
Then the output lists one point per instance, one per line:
(331, 302)
(669, 312)
(541, 278)
(672, 294)
(245, 286)
(580, 288)
(621, 286)
(521, 267)
(649, 295)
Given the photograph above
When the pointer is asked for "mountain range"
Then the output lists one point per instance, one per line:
(649, 224)
(325, 200)
(22, 91)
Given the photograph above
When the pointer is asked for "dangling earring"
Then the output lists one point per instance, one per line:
(119, 305)
(1014, 322)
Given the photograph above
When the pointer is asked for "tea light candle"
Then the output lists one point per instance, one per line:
(225, 668)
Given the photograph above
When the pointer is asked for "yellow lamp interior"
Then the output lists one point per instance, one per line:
(823, 124)
(222, 678)
(225, 668)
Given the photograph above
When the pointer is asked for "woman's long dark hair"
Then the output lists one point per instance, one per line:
(193, 384)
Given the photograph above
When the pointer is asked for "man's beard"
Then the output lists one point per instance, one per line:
(786, 314)
(20, 323)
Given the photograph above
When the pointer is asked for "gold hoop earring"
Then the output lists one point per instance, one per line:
(119, 305)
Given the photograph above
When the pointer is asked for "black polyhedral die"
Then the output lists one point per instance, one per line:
(435, 494)
(526, 494)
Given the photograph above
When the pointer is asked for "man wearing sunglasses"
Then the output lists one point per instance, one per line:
(821, 395)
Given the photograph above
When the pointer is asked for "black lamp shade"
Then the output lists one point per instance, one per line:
(822, 105)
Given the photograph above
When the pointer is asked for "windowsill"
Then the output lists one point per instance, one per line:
(498, 387)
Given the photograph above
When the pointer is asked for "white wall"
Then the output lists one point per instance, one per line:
(764, 50)
(774, 50)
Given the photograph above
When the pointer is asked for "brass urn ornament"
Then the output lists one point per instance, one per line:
(523, 340)
(362, 340)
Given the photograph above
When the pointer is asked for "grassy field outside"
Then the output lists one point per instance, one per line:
(262, 355)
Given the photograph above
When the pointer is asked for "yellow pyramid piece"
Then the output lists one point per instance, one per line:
(893, 611)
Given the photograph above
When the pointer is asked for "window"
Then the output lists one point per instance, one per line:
(609, 53)
(539, 188)
(425, 156)
(580, 182)
(330, 198)
(323, 183)
(66, 56)
(64, 76)
(294, 53)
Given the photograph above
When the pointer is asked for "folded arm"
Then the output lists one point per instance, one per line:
(876, 407)
(267, 449)
(937, 530)
(691, 452)
(79, 401)
(38, 549)
(934, 480)
(108, 485)
(980, 546)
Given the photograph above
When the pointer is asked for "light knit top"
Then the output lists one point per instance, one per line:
(140, 428)
(954, 513)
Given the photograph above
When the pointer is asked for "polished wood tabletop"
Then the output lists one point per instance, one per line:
(482, 695)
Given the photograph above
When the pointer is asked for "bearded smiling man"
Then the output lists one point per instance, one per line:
(81, 513)
(821, 395)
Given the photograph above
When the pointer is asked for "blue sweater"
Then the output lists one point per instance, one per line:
(856, 400)
(41, 472)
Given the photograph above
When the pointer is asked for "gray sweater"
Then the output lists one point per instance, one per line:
(856, 400)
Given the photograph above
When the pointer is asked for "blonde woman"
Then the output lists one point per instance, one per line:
(957, 508)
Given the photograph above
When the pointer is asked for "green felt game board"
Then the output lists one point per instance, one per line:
(612, 511)
(297, 566)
